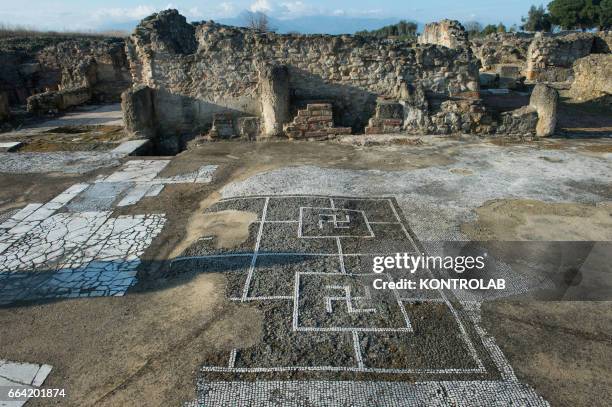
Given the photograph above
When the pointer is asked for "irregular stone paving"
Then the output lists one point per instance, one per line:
(20, 376)
(63, 161)
(72, 246)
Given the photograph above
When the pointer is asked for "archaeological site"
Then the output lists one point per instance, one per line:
(195, 213)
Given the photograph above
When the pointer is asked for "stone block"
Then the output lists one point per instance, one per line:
(274, 98)
(138, 111)
(544, 99)
(248, 127)
(318, 106)
(389, 110)
(522, 121)
(57, 101)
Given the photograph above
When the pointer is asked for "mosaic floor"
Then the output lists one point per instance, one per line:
(307, 266)
(73, 246)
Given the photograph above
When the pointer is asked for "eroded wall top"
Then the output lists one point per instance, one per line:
(221, 69)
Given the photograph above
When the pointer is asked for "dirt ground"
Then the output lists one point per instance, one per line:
(146, 347)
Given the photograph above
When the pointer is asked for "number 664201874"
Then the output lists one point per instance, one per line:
(29, 392)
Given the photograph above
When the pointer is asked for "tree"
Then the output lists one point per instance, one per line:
(537, 20)
(605, 15)
(257, 21)
(590, 13)
(473, 28)
(403, 30)
(571, 14)
(501, 28)
(489, 29)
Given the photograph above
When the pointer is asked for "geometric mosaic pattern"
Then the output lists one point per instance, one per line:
(307, 266)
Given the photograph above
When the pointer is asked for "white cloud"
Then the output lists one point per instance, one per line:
(294, 8)
(262, 6)
(124, 13)
(226, 9)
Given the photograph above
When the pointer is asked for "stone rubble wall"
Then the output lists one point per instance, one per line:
(540, 57)
(446, 33)
(502, 49)
(223, 73)
(593, 79)
(550, 58)
(32, 66)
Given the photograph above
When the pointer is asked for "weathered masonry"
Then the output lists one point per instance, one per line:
(198, 70)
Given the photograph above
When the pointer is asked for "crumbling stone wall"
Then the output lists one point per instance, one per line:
(31, 66)
(593, 78)
(502, 49)
(101, 65)
(447, 33)
(221, 71)
(550, 57)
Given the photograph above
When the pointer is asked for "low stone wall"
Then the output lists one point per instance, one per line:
(207, 68)
(316, 122)
(57, 101)
(593, 78)
(550, 58)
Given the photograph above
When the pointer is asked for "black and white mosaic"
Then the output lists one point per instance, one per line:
(307, 266)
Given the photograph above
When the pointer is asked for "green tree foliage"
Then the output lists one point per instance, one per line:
(589, 15)
(489, 29)
(537, 20)
(475, 29)
(583, 14)
(566, 13)
(605, 14)
(404, 29)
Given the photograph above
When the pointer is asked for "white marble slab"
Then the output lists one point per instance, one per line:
(9, 146)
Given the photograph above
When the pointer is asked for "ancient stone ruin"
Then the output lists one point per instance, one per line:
(183, 82)
(63, 74)
(448, 33)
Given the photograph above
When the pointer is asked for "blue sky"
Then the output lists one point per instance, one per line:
(99, 14)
